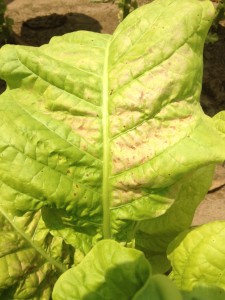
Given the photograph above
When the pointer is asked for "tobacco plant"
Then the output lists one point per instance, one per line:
(105, 153)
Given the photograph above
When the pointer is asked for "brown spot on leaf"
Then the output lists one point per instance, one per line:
(142, 95)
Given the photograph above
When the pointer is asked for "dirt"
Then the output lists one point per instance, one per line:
(213, 90)
(35, 22)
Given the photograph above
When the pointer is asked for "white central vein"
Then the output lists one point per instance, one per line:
(106, 150)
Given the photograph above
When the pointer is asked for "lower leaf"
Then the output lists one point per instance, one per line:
(154, 236)
(31, 259)
(198, 257)
(111, 271)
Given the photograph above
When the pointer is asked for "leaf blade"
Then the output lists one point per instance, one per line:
(201, 246)
(30, 258)
(103, 272)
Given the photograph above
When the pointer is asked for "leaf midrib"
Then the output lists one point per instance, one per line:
(106, 149)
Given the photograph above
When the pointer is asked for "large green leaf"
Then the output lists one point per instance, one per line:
(103, 126)
(198, 257)
(100, 132)
(109, 271)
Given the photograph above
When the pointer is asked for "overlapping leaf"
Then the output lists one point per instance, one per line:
(198, 257)
(110, 271)
(31, 259)
(153, 236)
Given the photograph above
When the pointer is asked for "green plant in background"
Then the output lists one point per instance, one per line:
(212, 36)
(220, 10)
(5, 25)
(105, 153)
(126, 7)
